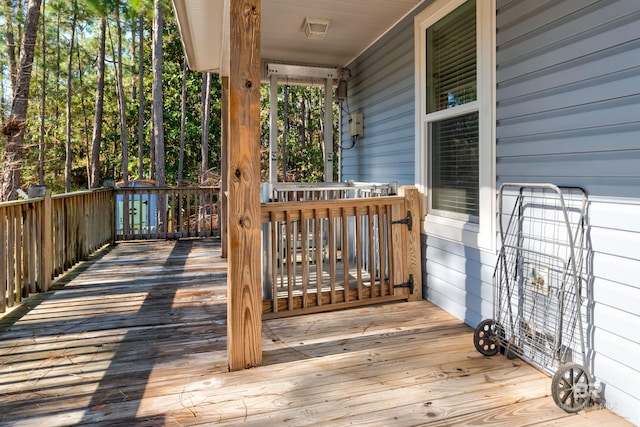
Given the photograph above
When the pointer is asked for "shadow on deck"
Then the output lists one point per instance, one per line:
(137, 336)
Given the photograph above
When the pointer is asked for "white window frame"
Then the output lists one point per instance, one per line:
(479, 234)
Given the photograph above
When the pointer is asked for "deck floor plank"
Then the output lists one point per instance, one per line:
(138, 337)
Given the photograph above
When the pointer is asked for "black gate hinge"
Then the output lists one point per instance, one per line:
(408, 220)
(409, 284)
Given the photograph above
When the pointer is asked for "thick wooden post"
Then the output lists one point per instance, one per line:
(3, 259)
(47, 241)
(45, 255)
(224, 149)
(414, 255)
(244, 302)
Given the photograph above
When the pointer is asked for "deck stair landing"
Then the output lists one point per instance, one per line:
(137, 336)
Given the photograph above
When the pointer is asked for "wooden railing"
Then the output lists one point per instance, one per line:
(144, 213)
(330, 254)
(301, 191)
(82, 223)
(44, 236)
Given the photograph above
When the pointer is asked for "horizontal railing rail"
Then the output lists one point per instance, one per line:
(300, 191)
(144, 213)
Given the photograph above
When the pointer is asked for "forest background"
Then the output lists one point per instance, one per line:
(89, 93)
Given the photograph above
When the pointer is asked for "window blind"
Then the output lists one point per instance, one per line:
(455, 166)
(451, 59)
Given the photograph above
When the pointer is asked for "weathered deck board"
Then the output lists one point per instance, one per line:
(138, 337)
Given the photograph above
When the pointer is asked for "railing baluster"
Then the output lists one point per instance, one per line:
(372, 253)
(289, 260)
(274, 262)
(11, 238)
(319, 255)
(332, 256)
(39, 255)
(18, 253)
(390, 254)
(345, 253)
(31, 245)
(359, 255)
(381, 248)
(3, 260)
(304, 247)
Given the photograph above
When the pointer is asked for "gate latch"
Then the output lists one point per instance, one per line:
(408, 284)
(408, 220)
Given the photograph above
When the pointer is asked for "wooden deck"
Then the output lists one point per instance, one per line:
(137, 337)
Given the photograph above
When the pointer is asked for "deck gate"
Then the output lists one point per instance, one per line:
(323, 255)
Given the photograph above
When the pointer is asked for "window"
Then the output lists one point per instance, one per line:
(451, 59)
(454, 118)
(454, 165)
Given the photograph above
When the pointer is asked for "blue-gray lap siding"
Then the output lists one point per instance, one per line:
(382, 88)
(568, 112)
(568, 93)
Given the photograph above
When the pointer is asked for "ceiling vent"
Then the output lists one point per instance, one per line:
(316, 29)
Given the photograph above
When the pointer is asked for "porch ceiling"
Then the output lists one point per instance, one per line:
(354, 25)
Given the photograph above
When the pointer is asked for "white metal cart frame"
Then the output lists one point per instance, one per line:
(538, 283)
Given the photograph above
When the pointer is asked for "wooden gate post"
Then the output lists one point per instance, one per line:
(244, 303)
(414, 254)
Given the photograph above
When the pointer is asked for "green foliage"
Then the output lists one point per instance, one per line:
(305, 134)
(304, 137)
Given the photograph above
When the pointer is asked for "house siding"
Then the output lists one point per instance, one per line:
(381, 87)
(568, 112)
(458, 278)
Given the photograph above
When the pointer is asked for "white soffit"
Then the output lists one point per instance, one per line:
(355, 25)
(201, 24)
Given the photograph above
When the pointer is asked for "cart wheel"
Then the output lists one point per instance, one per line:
(508, 351)
(485, 338)
(570, 388)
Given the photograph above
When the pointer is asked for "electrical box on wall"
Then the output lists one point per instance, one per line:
(356, 125)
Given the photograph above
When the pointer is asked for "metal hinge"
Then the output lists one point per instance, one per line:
(408, 284)
(408, 220)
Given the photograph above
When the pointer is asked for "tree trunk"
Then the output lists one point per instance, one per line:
(183, 119)
(152, 151)
(85, 117)
(14, 127)
(68, 153)
(56, 127)
(43, 105)
(11, 43)
(157, 110)
(96, 139)
(121, 103)
(141, 96)
(157, 95)
(206, 112)
(285, 130)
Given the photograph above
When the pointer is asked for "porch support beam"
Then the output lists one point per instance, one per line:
(224, 173)
(328, 130)
(244, 303)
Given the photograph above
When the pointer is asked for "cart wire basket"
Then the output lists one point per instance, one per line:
(537, 281)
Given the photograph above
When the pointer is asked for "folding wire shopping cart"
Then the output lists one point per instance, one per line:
(537, 283)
